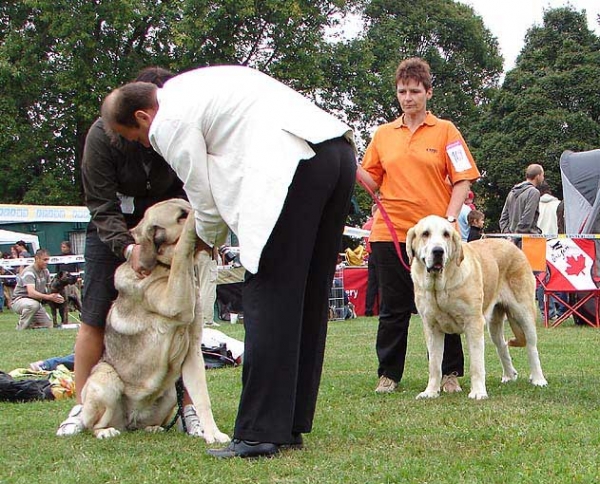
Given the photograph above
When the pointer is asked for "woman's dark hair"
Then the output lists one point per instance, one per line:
(155, 75)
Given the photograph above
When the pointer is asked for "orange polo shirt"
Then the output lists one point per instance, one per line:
(415, 171)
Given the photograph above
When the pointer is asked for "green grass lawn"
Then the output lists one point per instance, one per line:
(521, 434)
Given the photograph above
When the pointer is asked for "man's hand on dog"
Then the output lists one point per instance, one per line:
(56, 298)
(134, 261)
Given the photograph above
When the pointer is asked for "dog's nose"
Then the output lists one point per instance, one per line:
(437, 252)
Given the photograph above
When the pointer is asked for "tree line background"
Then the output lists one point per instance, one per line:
(59, 58)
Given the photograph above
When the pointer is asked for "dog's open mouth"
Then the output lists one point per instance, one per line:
(436, 268)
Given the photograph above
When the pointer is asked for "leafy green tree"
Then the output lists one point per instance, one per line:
(547, 104)
(462, 53)
(59, 58)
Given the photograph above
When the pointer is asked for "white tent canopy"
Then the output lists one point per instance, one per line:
(9, 237)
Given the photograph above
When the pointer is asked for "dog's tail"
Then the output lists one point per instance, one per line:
(519, 340)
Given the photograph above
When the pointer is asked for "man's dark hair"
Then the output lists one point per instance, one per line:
(120, 106)
(42, 253)
(545, 188)
(416, 69)
(155, 75)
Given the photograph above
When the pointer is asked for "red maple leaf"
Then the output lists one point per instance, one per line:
(575, 265)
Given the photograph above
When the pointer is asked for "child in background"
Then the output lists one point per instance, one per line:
(475, 219)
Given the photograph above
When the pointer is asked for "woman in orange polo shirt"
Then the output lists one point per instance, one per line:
(421, 166)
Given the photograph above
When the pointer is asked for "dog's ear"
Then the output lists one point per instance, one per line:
(146, 239)
(457, 242)
(183, 215)
(410, 251)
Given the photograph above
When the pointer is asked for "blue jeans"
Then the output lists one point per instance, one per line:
(51, 363)
(555, 309)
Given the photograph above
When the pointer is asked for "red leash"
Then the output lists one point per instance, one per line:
(388, 222)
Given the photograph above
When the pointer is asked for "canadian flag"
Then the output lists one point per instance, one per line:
(570, 264)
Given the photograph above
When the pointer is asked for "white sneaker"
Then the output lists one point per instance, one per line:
(192, 422)
(73, 425)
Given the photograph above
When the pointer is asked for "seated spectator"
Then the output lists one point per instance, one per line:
(21, 247)
(52, 363)
(476, 220)
(31, 290)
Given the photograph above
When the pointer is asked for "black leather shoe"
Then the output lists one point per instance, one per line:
(245, 449)
(296, 443)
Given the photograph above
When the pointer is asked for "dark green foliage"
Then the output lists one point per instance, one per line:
(59, 58)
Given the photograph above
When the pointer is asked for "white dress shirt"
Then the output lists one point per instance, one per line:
(235, 136)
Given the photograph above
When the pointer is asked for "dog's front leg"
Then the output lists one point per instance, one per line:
(177, 301)
(194, 379)
(475, 340)
(435, 346)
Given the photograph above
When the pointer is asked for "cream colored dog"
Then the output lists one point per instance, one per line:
(153, 334)
(459, 287)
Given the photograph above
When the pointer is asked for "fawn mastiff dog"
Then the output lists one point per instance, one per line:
(153, 334)
(459, 287)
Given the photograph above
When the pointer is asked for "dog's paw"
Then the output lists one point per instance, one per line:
(154, 429)
(510, 377)
(428, 394)
(216, 437)
(538, 382)
(478, 395)
(106, 433)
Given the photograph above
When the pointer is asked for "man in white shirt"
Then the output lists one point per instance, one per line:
(259, 158)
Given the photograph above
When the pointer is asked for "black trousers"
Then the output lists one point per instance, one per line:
(286, 301)
(397, 304)
(372, 285)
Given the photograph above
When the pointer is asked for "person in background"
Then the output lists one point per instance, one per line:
(470, 201)
(72, 291)
(476, 220)
(2, 293)
(421, 166)
(463, 221)
(548, 210)
(21, 247)
(521, 208)
(50, 364)
(14, 252)
(256, 155)
(560, 217)
(548, 224)
(31, 290)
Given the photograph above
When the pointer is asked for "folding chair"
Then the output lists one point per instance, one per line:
(569, 270)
